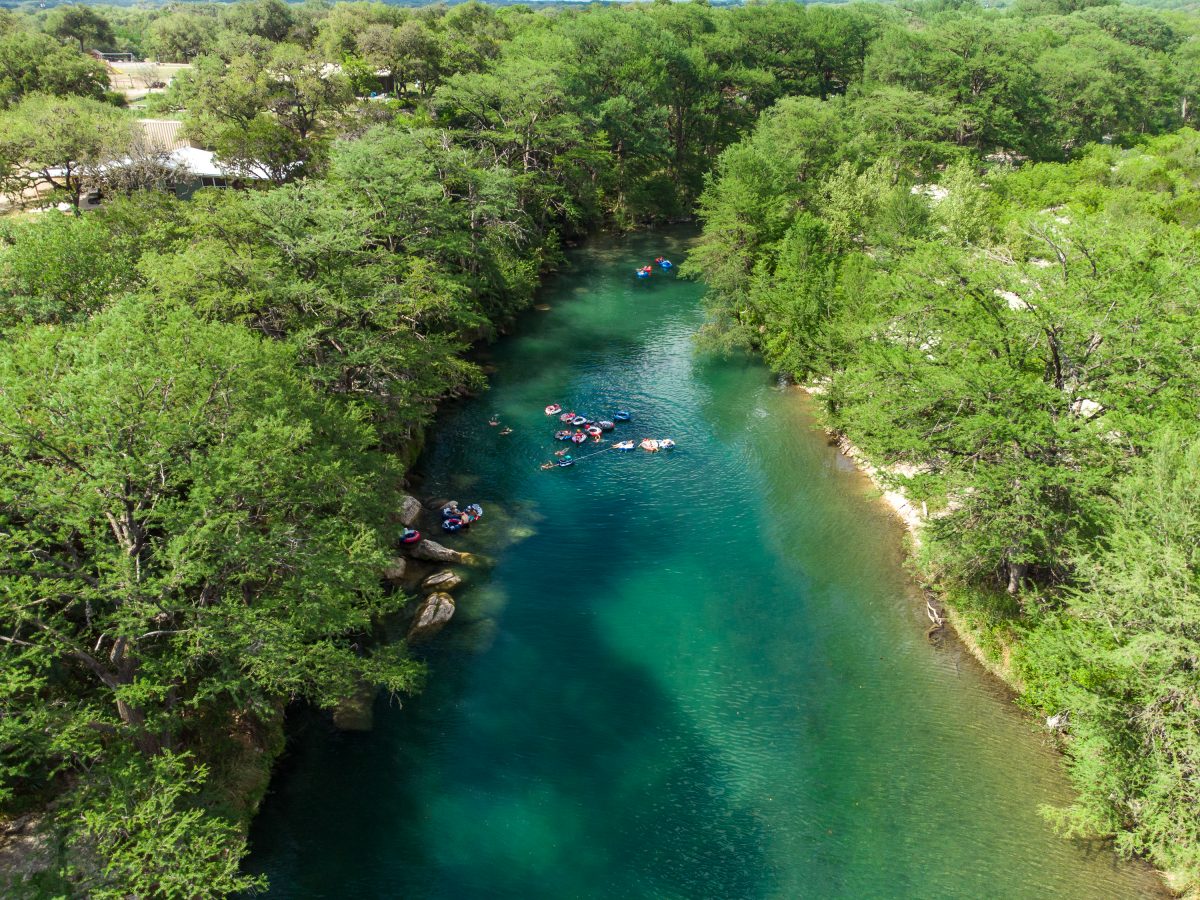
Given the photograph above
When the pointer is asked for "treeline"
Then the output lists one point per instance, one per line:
(204, 404)
(1013, 338)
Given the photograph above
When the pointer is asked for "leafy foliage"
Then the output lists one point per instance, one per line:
(200, 398)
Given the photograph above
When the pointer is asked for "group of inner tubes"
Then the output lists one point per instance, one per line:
(644, 271)
(455, 519)
(586, 428)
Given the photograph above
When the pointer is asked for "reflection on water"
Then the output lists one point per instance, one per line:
(700, 673)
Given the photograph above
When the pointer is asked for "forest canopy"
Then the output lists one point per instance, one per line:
(974, 230)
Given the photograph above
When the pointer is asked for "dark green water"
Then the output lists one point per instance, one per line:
(696, 674)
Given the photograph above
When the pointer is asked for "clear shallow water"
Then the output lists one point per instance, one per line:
(693, 674)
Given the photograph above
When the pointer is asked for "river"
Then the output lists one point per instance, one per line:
(693, 674)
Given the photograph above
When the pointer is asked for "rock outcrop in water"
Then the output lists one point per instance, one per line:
(394, 570)
(434, 613)
(410, 509)
(444, 580)
(435, 552)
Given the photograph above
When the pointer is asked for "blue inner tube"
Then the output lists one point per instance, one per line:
(476, 510)
(641, 274)
(606, 425)
(452, 525)
(621, 416)
(448, 511)
(666, 264)
(563, 463)
(563, 435)
(579, 420)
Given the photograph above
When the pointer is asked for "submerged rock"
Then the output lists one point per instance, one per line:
(435, 612)
(410, 508)
(444, 580)
(394, 570)
(435, 552)
(356, 712)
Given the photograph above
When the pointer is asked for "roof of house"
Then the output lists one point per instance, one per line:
(188, 161)
(163, 134)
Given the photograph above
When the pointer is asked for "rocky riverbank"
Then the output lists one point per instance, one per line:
(914, 516)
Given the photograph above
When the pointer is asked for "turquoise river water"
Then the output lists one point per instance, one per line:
(695, 674)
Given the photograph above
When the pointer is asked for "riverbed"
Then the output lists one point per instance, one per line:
(700, 673)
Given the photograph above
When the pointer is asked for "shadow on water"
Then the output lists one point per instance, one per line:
(363, 798)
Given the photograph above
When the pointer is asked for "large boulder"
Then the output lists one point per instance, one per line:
(394, 570)
(410, 508)
(444, 580)
(435, 612)
(435, 552)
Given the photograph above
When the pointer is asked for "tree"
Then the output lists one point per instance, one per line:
(143, 834)
(302, 92)
(60, 269)
(32, 63)
(269, 19)
(82, 24)
(211, 529)
(60, 143)
(1120, 658)
(265, 149)
(181, 35)
(409, 53)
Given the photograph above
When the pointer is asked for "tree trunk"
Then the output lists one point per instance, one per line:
(1016, 576)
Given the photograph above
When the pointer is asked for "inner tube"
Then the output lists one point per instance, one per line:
(410, 536)
(666, 444)
(650, 445)
(562, 435)
(624, 445)
(579, 421)
(642, 273)
(553, 409)
(579, 437)
(450, 510)
(476, 510)
(593, 430)
(666, 264)
(563, 463)
(566, 417)
(450, 526)
(606, 425)
(621, 416)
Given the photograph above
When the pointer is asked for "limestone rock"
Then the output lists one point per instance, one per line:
(435, 612)
(435, 552)
(444, 580)
(394, 570)
(410, 508)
